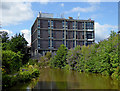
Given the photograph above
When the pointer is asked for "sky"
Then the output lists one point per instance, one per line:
(18, 17)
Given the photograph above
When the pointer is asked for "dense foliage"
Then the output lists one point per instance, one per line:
(11, 61)
(16, 64)
(4, 37)
(16, 44)
(45, 60)
(59, 60)
(96, 58)
(25, 74)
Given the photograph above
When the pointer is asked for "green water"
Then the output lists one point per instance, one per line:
(63, 79)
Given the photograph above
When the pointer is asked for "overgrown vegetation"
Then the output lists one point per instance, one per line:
(16, 64)
(25, 74)
(11, 61)
(45, 60)
(59, 60)
(96, 58)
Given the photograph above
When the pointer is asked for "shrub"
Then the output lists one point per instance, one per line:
(59, 60)
(35, 73)
(8, 81)
(97, 58)
(32, 61)
(73, 57)
(11, 61)
(26, 74)
(67, 67)
(44, 60)
(48, 55)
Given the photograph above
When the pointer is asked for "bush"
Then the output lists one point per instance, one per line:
(43, 61)
(11, 61)
(48, 55)
(67, 67)
(8, 81)
(32, 61)
(35, 73)
(26, 74)
(97, 58)
(73, 57)
(59, 60)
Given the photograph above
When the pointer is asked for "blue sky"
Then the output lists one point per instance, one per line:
(19, 17)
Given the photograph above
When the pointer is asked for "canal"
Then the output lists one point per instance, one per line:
(64, 79)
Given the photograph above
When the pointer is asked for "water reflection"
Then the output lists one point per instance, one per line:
(64, 79)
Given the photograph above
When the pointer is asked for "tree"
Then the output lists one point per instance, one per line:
(11, 61)
(18, 43)
(4, 37)
(59, 60)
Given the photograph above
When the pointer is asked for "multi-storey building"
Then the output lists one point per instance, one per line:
(48, 33)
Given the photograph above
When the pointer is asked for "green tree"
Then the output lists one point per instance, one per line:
(18, 43)
(11, 61)
(4, 37)
(59, 60)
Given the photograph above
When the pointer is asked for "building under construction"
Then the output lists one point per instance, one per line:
(48, 33)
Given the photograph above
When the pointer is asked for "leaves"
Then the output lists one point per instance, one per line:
(59, 60)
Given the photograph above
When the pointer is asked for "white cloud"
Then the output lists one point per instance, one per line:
(27, 35)
(62, 0)
(102, 31)
(8, 31)
(91, 8)
(93, 0)
(44, 1)
(15, 12)
(62, 4)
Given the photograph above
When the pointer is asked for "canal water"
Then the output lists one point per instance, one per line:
(64, 79)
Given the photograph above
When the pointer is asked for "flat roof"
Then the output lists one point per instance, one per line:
(64, 19)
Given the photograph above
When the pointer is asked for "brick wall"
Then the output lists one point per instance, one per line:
(44, 43)
(70, 25)
(57, 24)
(44, 34)
(57, 43)
(57, 34)
(44, 23)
